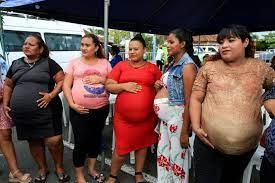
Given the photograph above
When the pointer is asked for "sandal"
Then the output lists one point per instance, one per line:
(62, 177)
(25, 178)
(98, 177)
(41, 178)
(140, 173)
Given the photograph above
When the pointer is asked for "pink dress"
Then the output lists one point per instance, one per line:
(5, 123)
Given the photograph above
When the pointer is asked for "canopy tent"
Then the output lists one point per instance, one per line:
(11, 3)
(14, 3)
(159, 16)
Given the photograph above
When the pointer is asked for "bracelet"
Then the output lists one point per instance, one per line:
(50, 95)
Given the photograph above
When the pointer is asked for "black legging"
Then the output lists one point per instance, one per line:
(214, 166)
(87, 129)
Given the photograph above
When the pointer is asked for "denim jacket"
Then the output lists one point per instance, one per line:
(174, 83)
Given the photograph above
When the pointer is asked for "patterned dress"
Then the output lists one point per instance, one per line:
(5, 123)
(172, 160)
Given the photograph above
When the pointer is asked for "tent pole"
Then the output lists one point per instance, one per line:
(1, 36)
(106, 18)
(154, 48)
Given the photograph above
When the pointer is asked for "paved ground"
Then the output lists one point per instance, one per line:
(28, 165)
(126, 176)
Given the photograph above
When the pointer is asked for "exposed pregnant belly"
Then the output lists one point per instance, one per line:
(135, 107)
(233, 137)
(162, 93)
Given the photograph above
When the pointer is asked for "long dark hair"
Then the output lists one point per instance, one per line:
(240, 32)
(99, 53)
(41, 44)
(186, 36)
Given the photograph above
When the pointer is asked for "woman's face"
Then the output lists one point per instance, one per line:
(232, 49)
(174, 47)
(88, 47)
(31, 48)
(136, 51)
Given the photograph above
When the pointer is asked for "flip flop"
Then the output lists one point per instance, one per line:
(98, 177)
(41, 178)
(62, 177)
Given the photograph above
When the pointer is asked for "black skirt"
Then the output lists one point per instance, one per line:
(39, 124)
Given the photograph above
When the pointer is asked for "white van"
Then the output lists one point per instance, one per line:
(209, 49)
(62, 38)
(202, 50)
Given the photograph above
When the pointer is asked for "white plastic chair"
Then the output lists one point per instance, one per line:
(67, 142)
(256, 159)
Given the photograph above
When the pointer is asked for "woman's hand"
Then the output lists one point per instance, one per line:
(184, 140)
(6, 111)
(158, 85)
(93, 79)
(132, 87)
(203, 136)
(80, 109)
(45, 100)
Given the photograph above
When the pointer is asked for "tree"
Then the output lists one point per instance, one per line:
(254, 37)
(119, 35)
(261, 44)
(97, 31)
(270, 39)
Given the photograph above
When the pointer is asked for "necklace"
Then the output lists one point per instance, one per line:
(31, 63)
(136, 66)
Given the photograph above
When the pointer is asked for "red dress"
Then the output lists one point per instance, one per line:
(134, 118)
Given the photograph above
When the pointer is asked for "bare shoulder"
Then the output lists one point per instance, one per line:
(190, 67)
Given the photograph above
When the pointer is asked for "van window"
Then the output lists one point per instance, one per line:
(197, 50)
(211, 49)
(62, 42)
(14, 40)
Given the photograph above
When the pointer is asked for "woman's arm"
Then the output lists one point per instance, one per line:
(47, 97)
(115, 87)
(59, 79)
(67, 89)
(94, 79)
(8, 88)
(189, 75)
(270, 106)
(196, 100)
